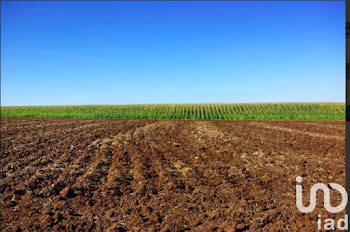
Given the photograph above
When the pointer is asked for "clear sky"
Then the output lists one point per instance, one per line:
(67, 53)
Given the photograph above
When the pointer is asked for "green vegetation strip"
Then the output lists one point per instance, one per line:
(282, 111)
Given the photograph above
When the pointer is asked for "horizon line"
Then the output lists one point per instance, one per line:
(248, 103)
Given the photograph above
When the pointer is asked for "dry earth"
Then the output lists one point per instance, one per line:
(165, 175)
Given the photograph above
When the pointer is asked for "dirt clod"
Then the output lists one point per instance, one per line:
(67, 192)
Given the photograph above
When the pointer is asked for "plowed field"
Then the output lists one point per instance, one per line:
(165, 175)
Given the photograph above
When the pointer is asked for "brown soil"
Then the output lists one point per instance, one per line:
(163, 175)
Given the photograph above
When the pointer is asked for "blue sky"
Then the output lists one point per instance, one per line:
(68, 53)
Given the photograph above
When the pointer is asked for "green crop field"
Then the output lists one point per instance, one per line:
(295, 111)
